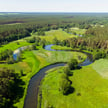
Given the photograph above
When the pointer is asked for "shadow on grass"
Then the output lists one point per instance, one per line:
(79, 67)
(3, 62)
(70, 91)
(1, 45)
(70, 74)
(22, 58)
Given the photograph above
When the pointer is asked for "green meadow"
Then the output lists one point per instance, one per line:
(77, 30)
(59, 34)
(14, 45)
(90, 82)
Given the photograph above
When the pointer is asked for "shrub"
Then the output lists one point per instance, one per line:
(65, 85)
(73, 64)
(67, 70)
(99, 55)
(10, 60)
(33, 47)
(31, 40)
(21, 73)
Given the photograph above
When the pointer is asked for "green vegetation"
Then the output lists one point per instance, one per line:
(75, 31)
(33, 61)
(11, 87)
(6, 54)
(72, 64)
(78, 31)
(13, 45)
(58, 47)
(64, 84)
(59, 34)
(100, 66)
(54, 56)
(90, 86)
(87, 32)
(40, 58)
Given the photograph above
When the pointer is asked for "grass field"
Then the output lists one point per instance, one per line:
(59, 34)
(14, 45)
(88, 81)
(78, 31)
(101, 66)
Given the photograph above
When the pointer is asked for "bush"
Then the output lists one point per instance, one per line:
(65, 86)
(6, 54)
(31, 40)
(43, 43)
(67, 70)
(41, 32)
(73, 64)
(10, 60)
(64, 76)
(99, 55)
(21, 73)
(55, 41)
(33, 47)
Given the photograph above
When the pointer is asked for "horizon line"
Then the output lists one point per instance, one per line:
(47, 12)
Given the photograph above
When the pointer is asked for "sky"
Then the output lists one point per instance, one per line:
(53, 6)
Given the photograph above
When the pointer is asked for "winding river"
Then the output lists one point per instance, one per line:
(33, 88)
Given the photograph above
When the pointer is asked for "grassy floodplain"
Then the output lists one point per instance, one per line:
(77, 30)
(90, 81)
(33, 61)
(14, 45)
(59, 34)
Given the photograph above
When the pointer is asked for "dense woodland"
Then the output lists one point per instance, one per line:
(17, 26)
(10, 87)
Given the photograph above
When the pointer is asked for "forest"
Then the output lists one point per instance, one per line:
(14, 27)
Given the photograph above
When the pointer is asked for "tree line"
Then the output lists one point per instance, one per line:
(64, 82)
(31, 23)
(98, 47)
